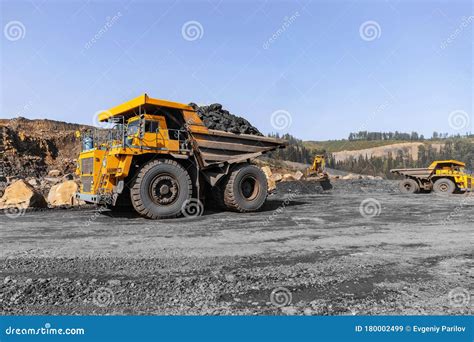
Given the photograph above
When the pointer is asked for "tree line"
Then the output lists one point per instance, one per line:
(413, 136)
(454, 148)
(295, 151)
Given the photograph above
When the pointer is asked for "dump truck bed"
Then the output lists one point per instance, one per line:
(216, 147)
(416, 172)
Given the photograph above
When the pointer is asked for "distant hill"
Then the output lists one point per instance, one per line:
(377, 157)
(347, 145)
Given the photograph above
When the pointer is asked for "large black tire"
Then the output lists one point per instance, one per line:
(444, 186)
(160, 189)
(246, 188)
(409, 186)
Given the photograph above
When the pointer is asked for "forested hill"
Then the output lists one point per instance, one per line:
(375, 153)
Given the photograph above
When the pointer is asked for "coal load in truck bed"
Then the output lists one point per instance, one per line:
(215, 117)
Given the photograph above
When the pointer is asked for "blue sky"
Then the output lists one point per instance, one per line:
(327, 67)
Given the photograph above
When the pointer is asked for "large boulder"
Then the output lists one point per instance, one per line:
(270, 180)
(298, 175)
(23, 195)
(277, 177)
(63, 194)
(54, 173)
(287, 177)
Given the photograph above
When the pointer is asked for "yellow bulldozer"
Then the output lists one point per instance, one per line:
(442, 176)
(158, 157)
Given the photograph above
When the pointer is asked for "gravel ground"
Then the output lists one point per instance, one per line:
(361, 248)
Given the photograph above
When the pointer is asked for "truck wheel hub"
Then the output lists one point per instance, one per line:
(164, 190)
(249, 188)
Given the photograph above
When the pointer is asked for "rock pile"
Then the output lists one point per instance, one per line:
(215, 117)
(20, 194)
(32, 193)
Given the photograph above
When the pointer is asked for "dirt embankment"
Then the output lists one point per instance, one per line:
(409, 149)
(31, 148)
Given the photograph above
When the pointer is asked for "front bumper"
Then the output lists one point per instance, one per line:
(107, 199)
(96, 199)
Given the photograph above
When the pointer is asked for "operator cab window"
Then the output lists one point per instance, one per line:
(132, 128)
(151, 126)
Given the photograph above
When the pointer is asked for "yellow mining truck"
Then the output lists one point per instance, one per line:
(442, 176)
(159, 157)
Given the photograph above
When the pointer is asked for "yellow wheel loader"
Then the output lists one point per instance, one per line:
(442, 176)
(159, 157)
